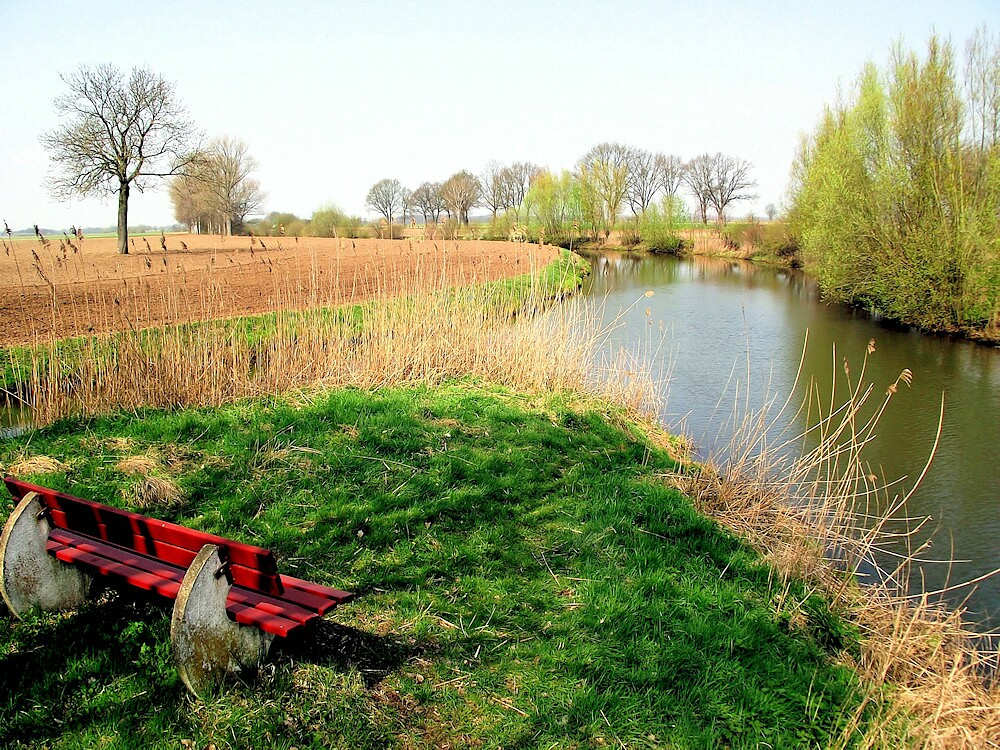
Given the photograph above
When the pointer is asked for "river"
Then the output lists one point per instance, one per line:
(724, 321)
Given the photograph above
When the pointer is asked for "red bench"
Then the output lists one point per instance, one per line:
(125, 548)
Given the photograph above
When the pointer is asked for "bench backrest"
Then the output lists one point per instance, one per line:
(248, 566)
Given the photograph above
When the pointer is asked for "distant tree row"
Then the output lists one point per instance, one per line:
(217, 191)
(895, 196)
(593, 195)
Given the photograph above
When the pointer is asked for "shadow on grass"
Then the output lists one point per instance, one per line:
(343, 648)
(107, 669)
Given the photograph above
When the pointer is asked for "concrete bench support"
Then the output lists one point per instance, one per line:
(29, 577)
(206, 644)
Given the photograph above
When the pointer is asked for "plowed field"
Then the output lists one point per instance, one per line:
(63, 289)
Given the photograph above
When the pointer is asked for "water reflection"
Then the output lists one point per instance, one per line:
(737, 333)
(14, 419)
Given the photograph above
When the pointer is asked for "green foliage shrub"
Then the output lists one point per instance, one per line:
(631, 234)
(330, 221)
(658, 227)
(895, 199)
(772, 240)
(498, 228)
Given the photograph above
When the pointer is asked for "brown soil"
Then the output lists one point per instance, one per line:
(62, 289)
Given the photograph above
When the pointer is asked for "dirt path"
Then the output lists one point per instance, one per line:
(62, 289)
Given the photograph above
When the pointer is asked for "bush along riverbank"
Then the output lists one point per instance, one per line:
(894, 196)
(526, 578)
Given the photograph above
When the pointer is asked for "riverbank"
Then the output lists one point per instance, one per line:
(774, 246)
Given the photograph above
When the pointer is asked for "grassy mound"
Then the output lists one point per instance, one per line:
(525, 579)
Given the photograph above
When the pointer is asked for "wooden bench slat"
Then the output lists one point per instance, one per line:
(320, 599)
(133, 576)
(269, 623)
(178, 556)
(272, 605)
(316, 589)
(255, 579)
(126, 557)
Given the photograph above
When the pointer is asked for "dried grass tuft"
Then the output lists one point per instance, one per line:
(37, 465)
(119, 444)
(142, 465)
(153, 491)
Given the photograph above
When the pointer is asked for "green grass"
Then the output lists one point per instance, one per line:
(525, 578)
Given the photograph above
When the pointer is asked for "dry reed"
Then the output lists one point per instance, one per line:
(412, 329)
(36, 465)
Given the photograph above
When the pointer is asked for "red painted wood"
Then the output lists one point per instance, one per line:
(126, 557)
(316, 589)
(240, 595)
(269, 623)
(132, 576)
(321, 604)
(254, 579)
(161, 550)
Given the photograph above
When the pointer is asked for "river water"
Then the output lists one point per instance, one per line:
(734, 331)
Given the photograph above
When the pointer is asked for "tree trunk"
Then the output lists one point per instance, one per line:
(123, 218)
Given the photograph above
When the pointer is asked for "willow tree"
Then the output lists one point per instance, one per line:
(603, 173)
(121, 134)
(895, 195)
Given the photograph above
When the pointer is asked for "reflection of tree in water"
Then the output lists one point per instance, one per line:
(621, 271)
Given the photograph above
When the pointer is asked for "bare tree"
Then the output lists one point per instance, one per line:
(386, 198)
(643, 179)
(192, 201)
(517, 182)
(122, 134)
(229, 170)
(407, 204)
(982, 83)
(697, 175)
(217, 192)
(730, 182)
(461, 193)
(494, 187)
(770, 210)
(671, 171)
(604, 172)
(428, 199)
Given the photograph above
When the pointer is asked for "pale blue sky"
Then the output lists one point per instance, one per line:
(332, 97)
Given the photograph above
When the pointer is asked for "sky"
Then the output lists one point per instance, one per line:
(333, 96)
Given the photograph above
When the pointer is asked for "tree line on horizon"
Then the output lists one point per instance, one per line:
(122, 133)
(591, 200)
